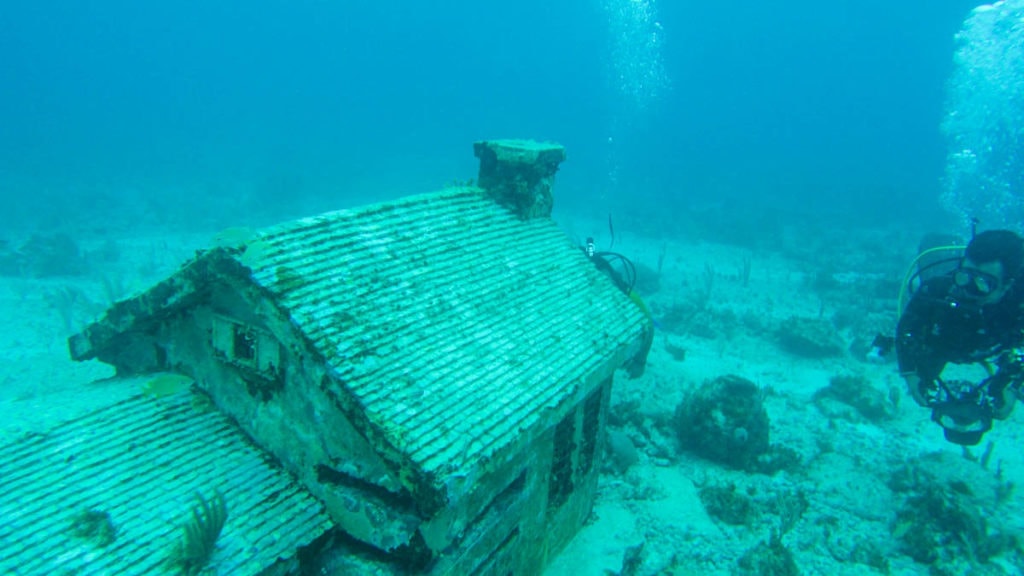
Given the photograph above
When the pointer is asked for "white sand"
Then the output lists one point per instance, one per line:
(846, 465)
(657, 502)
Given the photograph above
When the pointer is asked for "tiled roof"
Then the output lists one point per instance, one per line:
(453, 323)
(450, 324)
(141, 462)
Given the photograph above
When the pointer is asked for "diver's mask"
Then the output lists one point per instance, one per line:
(965, 417)
(975, 284)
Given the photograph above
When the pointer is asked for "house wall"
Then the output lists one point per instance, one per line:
(511, 520)
(244, 355)
(544, 496)
(576, 464)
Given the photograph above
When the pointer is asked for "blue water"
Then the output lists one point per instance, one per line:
(291, 107)
(128, 129)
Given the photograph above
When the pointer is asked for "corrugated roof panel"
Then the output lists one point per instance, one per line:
(141, 461)
(431, 307)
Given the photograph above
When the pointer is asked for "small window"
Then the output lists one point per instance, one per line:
(560, 484)
(243, 344)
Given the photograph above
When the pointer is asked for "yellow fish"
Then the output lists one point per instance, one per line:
(165, 385)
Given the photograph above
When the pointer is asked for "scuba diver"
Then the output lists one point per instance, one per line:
(621, 271)
(969, 314)
(617, 267)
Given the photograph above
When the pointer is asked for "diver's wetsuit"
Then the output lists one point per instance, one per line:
(935, 329)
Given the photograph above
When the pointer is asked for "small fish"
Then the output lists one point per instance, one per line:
(254, 254)
(166, 385)
(233, 237)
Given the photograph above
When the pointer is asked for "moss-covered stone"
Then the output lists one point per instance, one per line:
(776, 459)
(770, 558)
(809, 337)
(946, 523)
(857, 393)
(727, 504)
(725, 420)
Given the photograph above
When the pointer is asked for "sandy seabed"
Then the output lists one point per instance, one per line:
(857, 506)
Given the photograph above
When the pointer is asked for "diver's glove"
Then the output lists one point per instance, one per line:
(1010, 369)
(922, 393)
(1012, 362)
(1004, 388)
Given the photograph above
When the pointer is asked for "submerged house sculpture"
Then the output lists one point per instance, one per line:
(435, 370)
